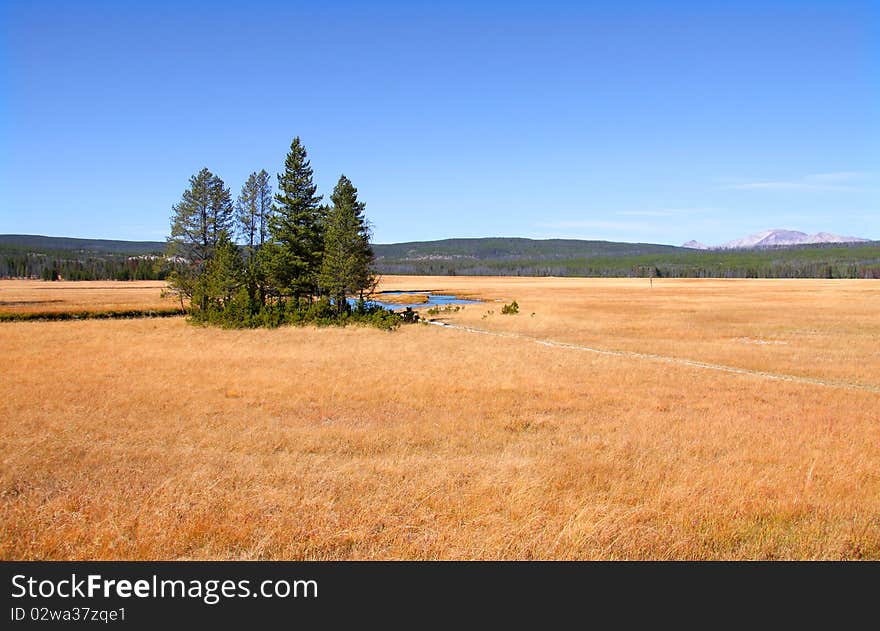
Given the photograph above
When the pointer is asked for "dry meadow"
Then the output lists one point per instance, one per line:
(156, 439)
(36, 296)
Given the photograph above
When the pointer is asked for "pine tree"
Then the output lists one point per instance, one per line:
(224, 272)
(222, 213)
(296, 227)
(254, 208)
(264, 204)
(247, 214)
(253, 211)
(190, 220)
(203, 213)
(346, 268)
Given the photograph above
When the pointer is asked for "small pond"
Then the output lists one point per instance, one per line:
(397, 299)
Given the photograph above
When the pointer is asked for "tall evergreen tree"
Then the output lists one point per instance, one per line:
(191, 237)
(346, 268)
(253, 211)
(264, 205)
(254, 208)
(203, 213)
(296, 227)
(221, 278)
(246, 214)
(191, 229)
(221, 210)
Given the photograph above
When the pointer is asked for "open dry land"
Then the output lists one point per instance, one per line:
(36, 296)
(154, 439)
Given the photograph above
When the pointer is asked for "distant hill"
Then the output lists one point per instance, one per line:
(84, 259)
(38, 256)
(569, 257)
(40, 243)
(513, 247)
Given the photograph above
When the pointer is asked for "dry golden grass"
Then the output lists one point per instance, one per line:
(826, 329)
(404, 299)
(36, 296)
(156, 439)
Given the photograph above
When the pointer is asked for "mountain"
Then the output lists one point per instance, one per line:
(775, 238)
(695, 245)
(827, 237)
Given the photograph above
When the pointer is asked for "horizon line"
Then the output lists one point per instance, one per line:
(680, 246)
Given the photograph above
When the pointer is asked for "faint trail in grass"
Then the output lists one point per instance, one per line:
(667, 359)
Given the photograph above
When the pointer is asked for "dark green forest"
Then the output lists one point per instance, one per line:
(27, 256)
(51, 258)
(556, 257)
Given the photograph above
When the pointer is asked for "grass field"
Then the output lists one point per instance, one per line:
(35, 296)
(155, 439)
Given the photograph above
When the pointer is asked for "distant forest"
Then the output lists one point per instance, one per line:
(560, 257)
(27, 256)
(51, 258)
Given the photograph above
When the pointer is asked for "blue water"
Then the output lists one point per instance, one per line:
(387, 300)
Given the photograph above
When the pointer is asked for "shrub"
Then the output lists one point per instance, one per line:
(435, 310)
(409, 316)
(242, 312)
(510, 309)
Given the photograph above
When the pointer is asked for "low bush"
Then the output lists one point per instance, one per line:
(511, 309)
(239, 313)
(409, 316)
(436, 310)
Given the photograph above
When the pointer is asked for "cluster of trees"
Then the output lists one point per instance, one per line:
(301, 260)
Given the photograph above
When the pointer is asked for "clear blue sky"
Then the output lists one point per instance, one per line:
(657, 122)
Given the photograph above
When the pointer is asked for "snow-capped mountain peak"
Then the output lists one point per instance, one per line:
(777, 237)
(695, 245)
(769, 238)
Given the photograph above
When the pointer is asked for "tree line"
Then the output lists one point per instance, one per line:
(814, 262)
(51, 263)
(75, 266)
(301, 259)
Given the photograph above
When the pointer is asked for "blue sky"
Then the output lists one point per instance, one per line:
(656, 122)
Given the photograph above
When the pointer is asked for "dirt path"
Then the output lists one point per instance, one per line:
(667, 359)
